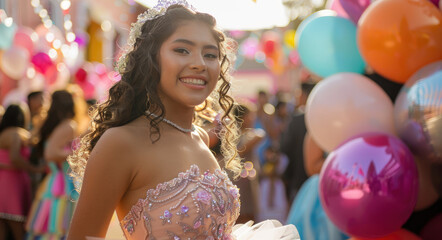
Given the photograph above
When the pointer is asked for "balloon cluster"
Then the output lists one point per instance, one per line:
(41, 59)
(369, 183)
(275, 49)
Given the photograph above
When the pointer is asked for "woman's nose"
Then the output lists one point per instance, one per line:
(198, 63)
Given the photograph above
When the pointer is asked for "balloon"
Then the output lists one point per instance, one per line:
(249, 47)
(14, 62)
(306, 21)
(368, 185)
(294, 57)
(418, 112)
(344, 105)
(398, 37)
(42, 62)
(327, 45)
(7, 35)
(432, 229)
(354, 8)
(307, 205)
(62, 77)
(289, 38)
(270, 41)
(400, 234)
(47, 36)
(6, 84)
(23, 39)
(435, 2)
(336, 6)
(14, 96)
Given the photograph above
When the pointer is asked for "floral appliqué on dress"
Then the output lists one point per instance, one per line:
(191, 206)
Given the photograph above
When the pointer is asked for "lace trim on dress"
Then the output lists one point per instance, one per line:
(214, 197)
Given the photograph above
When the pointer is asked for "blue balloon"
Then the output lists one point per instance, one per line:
(308, 215)
(327, 45)
(7, 34)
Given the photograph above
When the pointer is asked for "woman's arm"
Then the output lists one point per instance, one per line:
(313, 156)
(17, 160)
(108, 175)
(58, 146)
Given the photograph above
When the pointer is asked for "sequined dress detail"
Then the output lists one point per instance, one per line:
(191, 206)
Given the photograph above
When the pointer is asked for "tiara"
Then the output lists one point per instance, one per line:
(135, 31)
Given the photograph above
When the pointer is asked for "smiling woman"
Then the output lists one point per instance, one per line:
(146, 157)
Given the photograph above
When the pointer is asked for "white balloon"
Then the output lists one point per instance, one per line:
(345, 105)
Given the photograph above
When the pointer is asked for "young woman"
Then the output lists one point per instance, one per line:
(146, 157)
(53, 205)
(15, 183)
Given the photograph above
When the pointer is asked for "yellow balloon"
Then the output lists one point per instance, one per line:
(289, 38)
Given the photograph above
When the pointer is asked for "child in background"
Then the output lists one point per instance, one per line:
(273, 201)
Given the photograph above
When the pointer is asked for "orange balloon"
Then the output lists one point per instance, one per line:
(400, 234)
(398, 37)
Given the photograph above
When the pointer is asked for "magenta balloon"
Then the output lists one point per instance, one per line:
(368, 186)
(42, 62)
(354, 8)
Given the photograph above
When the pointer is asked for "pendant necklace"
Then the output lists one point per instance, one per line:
(184, 130)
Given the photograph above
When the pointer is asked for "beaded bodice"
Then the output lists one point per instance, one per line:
(191, 206)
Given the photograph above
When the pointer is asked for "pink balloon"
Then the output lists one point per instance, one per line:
(294, 57)
(336, 6)
(15, 62)
(368, 186)
(23, 39)
(344, 105)
(42, 62)
(354, 8)
(249, 47)
(88, 89)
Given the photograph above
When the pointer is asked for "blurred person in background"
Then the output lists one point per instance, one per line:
(248, 183)
(37, 108)
(292, 143)
(15, 183)
(273, 200)
(53, 204)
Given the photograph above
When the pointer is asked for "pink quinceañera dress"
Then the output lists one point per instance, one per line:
(196, 206)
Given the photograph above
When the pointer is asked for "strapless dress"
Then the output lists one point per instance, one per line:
(195, 205)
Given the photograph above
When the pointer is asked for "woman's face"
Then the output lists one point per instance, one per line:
(190, 66)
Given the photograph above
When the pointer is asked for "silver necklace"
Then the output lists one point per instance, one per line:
(184, 130)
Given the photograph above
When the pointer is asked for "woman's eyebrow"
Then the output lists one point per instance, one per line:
(185, 41)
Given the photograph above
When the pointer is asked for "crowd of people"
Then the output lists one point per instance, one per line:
(36, 136)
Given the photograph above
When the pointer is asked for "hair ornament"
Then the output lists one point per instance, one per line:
(135, 31)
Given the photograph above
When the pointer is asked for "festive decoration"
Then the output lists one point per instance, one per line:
(344, 105)
(398, 37)
(289, 38)
(23, 38)
(354, 8)
(418, 112)
(14, 62)
(7, 30)
(368, 185)
(327, 45)
(42, 62)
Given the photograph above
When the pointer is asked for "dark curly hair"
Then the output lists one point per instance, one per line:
(137, 90)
